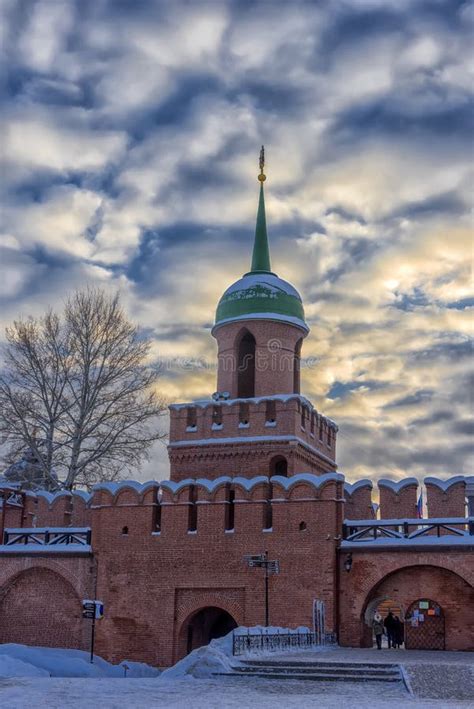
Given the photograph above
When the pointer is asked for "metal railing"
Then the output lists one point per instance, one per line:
(56, 536)
(257, 642)
(362, 530)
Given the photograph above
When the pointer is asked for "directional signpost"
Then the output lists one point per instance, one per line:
(261, 561)
(92, 610)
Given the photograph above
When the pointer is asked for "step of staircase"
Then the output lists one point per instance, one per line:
(317, 671)
(314, 677)
(349, 671)
(320, 663)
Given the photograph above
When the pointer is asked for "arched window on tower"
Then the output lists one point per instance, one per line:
(246, 366)
(279, 466)
(297, 366)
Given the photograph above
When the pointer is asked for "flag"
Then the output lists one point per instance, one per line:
(419, 507)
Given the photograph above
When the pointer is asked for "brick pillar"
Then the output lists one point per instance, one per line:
(398, 499)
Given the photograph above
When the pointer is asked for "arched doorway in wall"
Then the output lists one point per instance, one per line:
(279, 466)
(203, 626)
(32, 614)
(431, 584)
(383, 605)
(424, 626)
(246, 365)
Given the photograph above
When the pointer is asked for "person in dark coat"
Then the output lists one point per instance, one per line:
(377, 626)
(389, 627)
(398, 632)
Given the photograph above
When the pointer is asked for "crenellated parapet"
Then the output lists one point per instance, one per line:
(358, 498)
(233, 436)
(234, 504)
(398, 499)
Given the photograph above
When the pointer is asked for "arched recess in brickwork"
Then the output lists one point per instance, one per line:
(246, 345)
(38, 606)
(202, 626)
(279, 466)
(450, 590)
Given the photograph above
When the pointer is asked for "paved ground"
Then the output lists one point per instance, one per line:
(57, 693)
(430, 674)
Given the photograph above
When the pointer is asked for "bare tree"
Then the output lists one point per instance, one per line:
(78, 392)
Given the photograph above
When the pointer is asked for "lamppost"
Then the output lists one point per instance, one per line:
(261, 561)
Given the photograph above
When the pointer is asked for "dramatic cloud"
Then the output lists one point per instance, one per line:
(130, 137)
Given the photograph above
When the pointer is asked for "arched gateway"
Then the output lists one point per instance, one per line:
(433, 623)
(202, 626)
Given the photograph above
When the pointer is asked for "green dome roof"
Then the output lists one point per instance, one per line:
(261, 295)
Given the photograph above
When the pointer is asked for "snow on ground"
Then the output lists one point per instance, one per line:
(219, 693)
(26, 661)
(217, 656)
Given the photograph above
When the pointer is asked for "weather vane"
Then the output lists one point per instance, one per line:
(262, 177)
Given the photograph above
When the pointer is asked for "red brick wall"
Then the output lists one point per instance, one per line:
(359, 503)
(144, 578)
(397, 505)
(275, 346)
(446, 503)
(446, 577)
(243, 457)
(39, 605)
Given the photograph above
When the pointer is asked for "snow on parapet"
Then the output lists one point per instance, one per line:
(444, 485)
(316, 481)
(115, 488)
(397, 487)
(51, 497)
(350, 488)
(204, 403)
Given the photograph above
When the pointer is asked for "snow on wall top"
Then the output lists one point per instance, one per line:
(444, 485)
(203, 403)
(350, 488)
(314, 480)
(397, 487)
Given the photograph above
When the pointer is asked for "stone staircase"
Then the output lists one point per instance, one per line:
(317, 671)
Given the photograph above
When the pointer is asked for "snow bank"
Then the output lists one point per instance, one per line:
(217, 656)
(26, 661)
(10, 667)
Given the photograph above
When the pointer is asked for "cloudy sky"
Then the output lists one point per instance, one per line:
(130, 139)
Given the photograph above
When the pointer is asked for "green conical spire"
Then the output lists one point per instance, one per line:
(261, 252)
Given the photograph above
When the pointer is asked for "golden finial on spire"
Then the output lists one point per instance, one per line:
(262, 177)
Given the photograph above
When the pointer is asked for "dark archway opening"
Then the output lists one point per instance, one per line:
(246, 366)
(279, 466)
(206, 625)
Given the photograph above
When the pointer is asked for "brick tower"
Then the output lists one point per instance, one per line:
(257, 422)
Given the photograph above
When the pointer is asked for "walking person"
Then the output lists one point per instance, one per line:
(377, 626)
(398, 632)
(389, 627)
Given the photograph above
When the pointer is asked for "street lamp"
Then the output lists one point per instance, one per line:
(261, 561)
